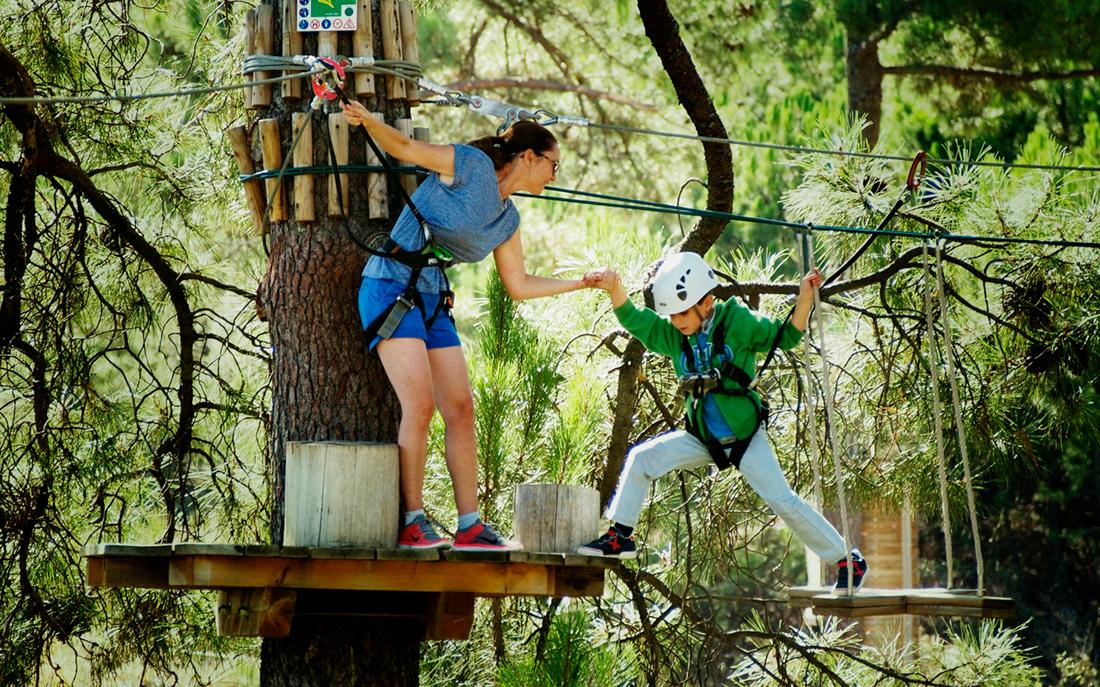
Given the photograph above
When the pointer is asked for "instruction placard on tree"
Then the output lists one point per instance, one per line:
(327, 15)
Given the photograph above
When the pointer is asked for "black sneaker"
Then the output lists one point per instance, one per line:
(859, 568)
(612, 545)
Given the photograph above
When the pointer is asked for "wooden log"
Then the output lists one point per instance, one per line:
(378, 201)
(449, 615)
(238, 139)
(391, 46)
(326, 43)
(341, 494)
(249, 50)
(255, 612)
(265, 45)
(303, 157)
(556, 518)
(338, 132)
(271, 146)
(292, 45)
(408, 181)
(410, 49)
(362, 45)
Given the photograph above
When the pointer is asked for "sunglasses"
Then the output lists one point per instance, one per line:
(555, 163)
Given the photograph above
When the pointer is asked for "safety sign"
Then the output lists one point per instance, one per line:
(327, 15)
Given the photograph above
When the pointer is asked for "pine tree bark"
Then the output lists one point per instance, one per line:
(865, 73)
(326, 387)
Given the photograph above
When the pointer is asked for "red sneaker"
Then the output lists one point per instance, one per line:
(419, 534)
(482, 537)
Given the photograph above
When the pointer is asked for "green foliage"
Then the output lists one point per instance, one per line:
(570, 658)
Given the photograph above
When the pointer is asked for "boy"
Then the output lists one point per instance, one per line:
(713, 347)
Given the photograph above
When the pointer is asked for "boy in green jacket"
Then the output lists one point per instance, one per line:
(713, 347)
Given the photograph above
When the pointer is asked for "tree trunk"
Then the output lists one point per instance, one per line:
(865, 84)
(326, 387)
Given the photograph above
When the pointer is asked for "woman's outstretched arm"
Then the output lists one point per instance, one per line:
(435, 158)
(519, 284)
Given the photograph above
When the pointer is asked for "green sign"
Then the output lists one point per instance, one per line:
(327, 15)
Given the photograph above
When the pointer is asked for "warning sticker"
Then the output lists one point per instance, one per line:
(327, 15)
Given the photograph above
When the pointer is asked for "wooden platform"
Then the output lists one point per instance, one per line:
(263, 587)
(875, 602)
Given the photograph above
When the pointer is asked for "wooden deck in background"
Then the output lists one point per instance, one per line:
(876, 602)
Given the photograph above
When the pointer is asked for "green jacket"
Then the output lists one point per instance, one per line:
(747, 334)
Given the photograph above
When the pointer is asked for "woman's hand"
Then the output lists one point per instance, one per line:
(355, 112)
(603, 278)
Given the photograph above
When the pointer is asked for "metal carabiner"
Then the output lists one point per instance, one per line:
(328, 79)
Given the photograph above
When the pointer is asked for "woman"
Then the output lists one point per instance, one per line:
(466, 201)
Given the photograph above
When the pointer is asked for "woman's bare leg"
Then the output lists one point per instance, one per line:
(407, 366)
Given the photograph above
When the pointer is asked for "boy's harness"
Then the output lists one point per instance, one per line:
(729, 380)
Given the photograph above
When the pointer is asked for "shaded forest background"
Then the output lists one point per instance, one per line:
(135, 395)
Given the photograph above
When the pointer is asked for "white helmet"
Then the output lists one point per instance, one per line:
(681, 282)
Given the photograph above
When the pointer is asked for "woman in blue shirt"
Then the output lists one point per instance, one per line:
(466, 200)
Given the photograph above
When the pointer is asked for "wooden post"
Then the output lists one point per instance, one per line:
(408, 181)
(249, 50)
(882, 540)
(338, 131)
(391, 46)
(292, 45)
(238, 139)
(363, 46)
(302, 123)
(326, 43)
(378, 202)
(556, 518)
(265, 44)
(255, 612)
(341, 494)
(409, 47)
(273, 160)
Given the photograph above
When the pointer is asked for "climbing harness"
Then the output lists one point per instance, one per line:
(328, 86)
(726, 379)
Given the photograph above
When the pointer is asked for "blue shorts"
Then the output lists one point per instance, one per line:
(376, 295)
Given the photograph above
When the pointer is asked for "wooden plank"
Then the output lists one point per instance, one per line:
(249, 49)
(302, 126)
(255, 612)
(265, 44)
(362, 42)
(292, 45)
(391, 45)
(433, 576)
(338, 133)
(140, 572)
(326, 43)
(408, 179)
(238, 139)
(407, 554)
(271, 145)
(485, 556)
(449, 616)
(861, 611)
(410, 48)
(960, 611)
(378, 201)
(578, 582)
(109, 549)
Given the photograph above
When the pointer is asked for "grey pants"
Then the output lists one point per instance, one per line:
(680, 450)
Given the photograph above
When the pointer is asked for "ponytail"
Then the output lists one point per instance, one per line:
(521, 136)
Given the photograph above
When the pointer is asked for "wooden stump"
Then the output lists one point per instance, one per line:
(556, 518)
(341, 494)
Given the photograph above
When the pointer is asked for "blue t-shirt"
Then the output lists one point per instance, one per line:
(468, 218)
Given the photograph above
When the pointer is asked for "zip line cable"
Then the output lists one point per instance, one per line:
(410, 71)
(842, 153)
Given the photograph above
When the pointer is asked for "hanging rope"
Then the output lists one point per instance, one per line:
(809, 264)
(831, 427)
(933, 368)
(949, 353)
